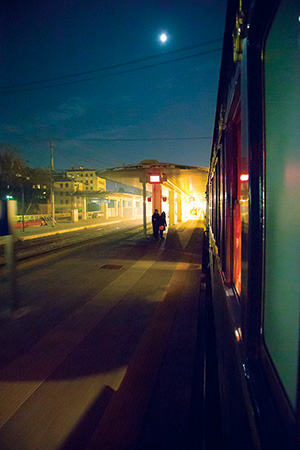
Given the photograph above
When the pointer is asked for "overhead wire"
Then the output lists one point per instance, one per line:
(11, 89)
(77, 143)
(77, 154)
(61, 153)
(6, 91)
(136, 139)
(113, 66)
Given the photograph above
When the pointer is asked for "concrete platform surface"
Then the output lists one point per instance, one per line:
(114, 370)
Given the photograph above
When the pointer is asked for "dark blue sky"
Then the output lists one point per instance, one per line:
(99, 118)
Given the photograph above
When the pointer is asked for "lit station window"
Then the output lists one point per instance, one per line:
(154, 179)
(244, 177)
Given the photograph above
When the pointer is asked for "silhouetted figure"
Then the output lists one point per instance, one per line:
(155, 223)
(162, 224)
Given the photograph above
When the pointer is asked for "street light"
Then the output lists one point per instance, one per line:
(23, 179)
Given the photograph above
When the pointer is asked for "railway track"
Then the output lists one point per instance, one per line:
(32, 247)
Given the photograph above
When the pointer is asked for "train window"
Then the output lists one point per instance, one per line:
(222, 207)
(233, 195)
(213, 203)
(218, 201)
(237, 244)
(282, 256)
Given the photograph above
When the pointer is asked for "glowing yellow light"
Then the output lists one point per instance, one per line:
(154, 179)
(238, 334)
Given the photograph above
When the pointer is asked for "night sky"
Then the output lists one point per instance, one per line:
(93, 76)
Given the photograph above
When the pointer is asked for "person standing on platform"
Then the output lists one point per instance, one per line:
(155, 223)
(162, 224)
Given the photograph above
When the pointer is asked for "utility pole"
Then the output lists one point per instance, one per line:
(52, 184)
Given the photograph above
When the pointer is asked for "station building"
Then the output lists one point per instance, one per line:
(176, 189)
(89, 178)
(133, 191)
(65, 198)
(81, 194)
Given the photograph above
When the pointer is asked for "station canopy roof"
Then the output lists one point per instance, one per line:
(189, 180)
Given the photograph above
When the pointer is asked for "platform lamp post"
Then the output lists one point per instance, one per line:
(52, 185)
(23, 179)
(144, 179)
(156, 179)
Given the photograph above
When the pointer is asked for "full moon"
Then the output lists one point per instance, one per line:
(163, 37)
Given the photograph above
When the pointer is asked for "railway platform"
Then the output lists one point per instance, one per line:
(58, 394)
(63, 226)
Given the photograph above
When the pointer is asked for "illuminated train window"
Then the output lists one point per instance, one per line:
(282, 256)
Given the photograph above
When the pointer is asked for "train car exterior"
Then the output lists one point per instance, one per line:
(253, 223)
